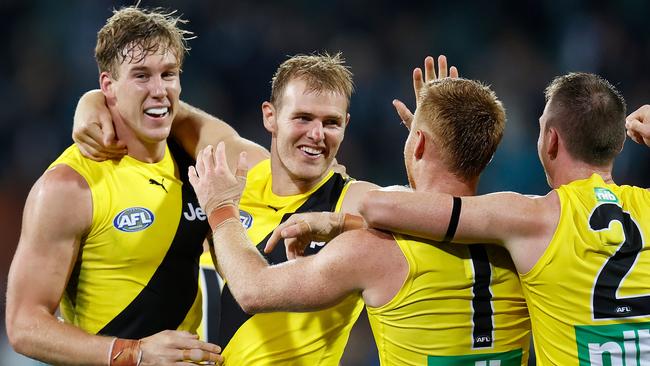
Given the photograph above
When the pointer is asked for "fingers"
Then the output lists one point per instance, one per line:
(200, 161)
(639, 132)
(453, 72)
(418, 82)
(295, 248)
(404, 113)
(273, 240)
(108, 130)
(442, 67)
(192, 176)
(642, 114)
(221, 162)
(429, 69)
(242, 166)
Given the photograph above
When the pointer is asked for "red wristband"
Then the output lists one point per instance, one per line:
(125, 352)
(352, 222)
(221, 214)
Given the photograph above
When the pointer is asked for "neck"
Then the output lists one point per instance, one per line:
(140, 150)
(447, 182)
(285, 184)
(574, 170)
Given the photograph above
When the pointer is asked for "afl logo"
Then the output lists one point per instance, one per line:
(246, 219)
(133, 219)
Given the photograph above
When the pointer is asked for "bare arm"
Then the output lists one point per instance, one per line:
(57, 215)
(524, 225)
(46, 253)
(337, 270)
(254, 284)
(94, 133)
(196, 129)
(299, 230)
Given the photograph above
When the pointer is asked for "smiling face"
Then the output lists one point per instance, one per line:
(307, 130)
(144, 96)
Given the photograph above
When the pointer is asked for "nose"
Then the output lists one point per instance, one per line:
(157, 88)
(316, 131)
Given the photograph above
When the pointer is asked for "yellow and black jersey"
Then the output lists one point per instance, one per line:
(137, 269)
(589, 293)
(459, 306)
(280, 338)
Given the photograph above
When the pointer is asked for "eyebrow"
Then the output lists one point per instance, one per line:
(337, 117)
(169, 65)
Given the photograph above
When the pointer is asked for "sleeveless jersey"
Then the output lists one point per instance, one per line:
(589, 293)
(459, 306)
(279, 338)
(137, 269)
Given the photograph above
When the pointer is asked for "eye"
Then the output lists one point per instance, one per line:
(332, 123)
(169, 75)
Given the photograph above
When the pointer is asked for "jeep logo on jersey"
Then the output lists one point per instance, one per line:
(133, 219)
(246, 219)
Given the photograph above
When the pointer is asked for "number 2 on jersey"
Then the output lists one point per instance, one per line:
(605, 303)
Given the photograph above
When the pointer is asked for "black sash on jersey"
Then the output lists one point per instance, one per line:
(324, 199)
(165, 301)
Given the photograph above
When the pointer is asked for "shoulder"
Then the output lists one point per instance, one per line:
(62, 196)
(354, 192)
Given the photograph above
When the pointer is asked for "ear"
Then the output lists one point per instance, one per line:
(552, 143)
(269, 115)
(347, 120)
(420, 142)
(106, 84)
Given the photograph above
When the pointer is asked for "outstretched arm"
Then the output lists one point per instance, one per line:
(94, 133)
(57, 215)
(524, 225)
(257, 286)
(196, 129)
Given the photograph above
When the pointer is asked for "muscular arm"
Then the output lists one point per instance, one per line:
(524, 225)
(94, 133)
(196, 129)
(57, 213)
(304, 284)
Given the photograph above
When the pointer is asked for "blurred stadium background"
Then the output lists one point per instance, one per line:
(516, 46)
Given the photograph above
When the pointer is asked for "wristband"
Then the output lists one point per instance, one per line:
(352, 222)
(221, 214)
(125, 352)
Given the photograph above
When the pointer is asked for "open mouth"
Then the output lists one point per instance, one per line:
(311, 151)
(157, 112)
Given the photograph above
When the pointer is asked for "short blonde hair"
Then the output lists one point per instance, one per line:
(321, 72)
(131, 34)
(466, 120)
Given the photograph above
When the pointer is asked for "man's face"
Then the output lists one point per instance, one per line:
(308, 129)
(146, 95)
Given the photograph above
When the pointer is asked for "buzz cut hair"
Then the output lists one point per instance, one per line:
(466, 120)
(589, 114)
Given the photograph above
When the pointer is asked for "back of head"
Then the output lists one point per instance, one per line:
(466, 120)
(589, 114)
(322, 73)
(131, 34)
